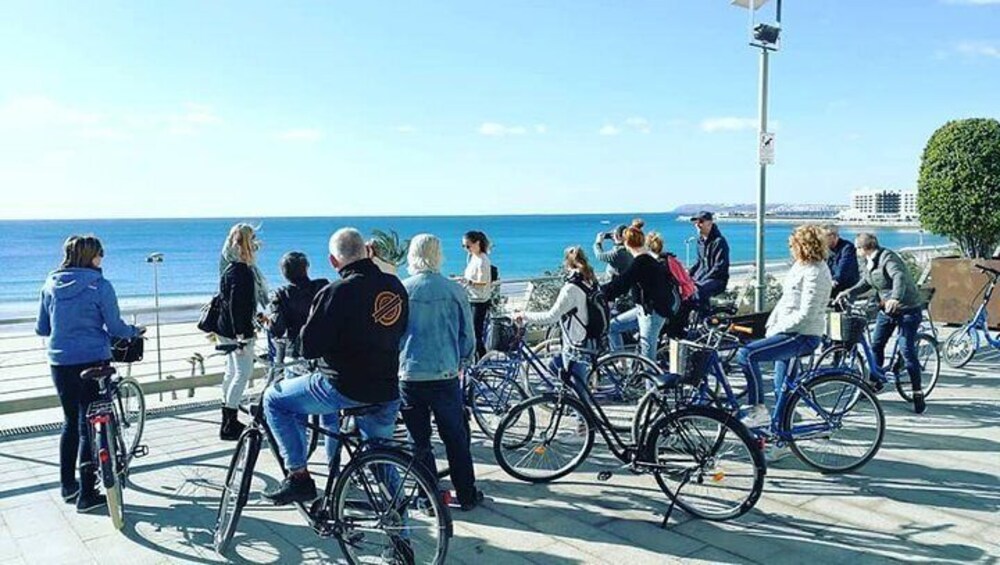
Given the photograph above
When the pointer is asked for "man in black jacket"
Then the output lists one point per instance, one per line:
(291, 303)
(711, 272)
(842, 260)
(354, 329)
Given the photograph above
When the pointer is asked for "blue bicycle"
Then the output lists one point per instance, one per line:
(962, 345)
(513, 371)
(855, 352)
(829, 417)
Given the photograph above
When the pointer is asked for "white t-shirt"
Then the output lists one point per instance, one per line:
(477, 270)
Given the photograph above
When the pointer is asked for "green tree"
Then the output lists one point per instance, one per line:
(959, 186)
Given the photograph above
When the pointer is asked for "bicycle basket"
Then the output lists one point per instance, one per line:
(127, 350)
(689, 360)
(845, 327)
(501, 335)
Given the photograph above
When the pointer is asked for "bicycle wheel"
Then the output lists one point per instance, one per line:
(706, 461)
(236, 489)
(842, 356)
(388, 510)
(129, 405)
(930, 368)
(113, 484)
(543, 438)
(618, 377)
(835, 423)
(491, 397)
(960, 347)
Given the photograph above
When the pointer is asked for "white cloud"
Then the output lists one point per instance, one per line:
(639, 124)
(41, 112)
(301, 134)
(713, 125)
(495, 129)
(195, 118)
(609, 129)
(406, 128)
(541, 129)
(979, 49)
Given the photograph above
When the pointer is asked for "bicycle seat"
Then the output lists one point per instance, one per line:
(363, 410)
(97, 373)
(228, 347)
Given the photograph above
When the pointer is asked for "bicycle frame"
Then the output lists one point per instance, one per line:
(978, 325)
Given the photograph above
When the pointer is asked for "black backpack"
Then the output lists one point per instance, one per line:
(598, 313)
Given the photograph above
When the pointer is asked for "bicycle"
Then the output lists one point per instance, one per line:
(109, 420)
(514, 370)
(381, 506)
(831, 420)
(961, 346)
(855, 353)
(702, 458)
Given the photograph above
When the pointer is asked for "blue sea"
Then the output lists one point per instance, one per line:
(525, 246)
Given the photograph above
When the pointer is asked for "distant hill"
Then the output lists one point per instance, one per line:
(779, 209)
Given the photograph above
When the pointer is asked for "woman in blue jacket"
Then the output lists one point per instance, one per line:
(79, 313)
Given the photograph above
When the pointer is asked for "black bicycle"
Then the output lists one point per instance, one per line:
(382, 506)
(115, 425)
(701, 457)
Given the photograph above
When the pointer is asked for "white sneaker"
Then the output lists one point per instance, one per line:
(757, 417)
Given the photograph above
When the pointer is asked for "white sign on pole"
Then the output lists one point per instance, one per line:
(766, 149)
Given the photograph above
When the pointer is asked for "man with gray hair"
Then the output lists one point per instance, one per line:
(354, 330)
(886, 273)
(842, 260)
(439, 341)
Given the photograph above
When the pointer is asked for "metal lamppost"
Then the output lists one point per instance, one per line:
(765, 38)
(155, 259)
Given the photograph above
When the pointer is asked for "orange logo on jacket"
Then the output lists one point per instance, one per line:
(388, 308)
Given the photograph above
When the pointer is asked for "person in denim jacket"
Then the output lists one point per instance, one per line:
(439, 340)
(78, 313)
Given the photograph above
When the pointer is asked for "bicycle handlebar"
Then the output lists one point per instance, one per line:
(989, 270)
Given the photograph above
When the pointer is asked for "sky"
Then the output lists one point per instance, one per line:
(323, 108)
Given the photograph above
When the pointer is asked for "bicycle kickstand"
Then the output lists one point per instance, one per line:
(673, 500)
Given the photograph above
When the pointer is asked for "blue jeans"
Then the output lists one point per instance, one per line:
(443, 399)
(626, 322)
(288, 404)
(778, 348)
(704, 291)
(909, 324)
(579, 370)
(649, 326)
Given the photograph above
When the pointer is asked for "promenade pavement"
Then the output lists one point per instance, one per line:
(931, 495)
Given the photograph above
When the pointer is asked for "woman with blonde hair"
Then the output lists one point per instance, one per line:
(796, 324)
(243, 289)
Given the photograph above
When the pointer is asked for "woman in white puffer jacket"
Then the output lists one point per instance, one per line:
(797, 323)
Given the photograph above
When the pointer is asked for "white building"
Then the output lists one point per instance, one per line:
(882, 206)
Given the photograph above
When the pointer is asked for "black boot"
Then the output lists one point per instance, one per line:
(919, 405)
(89, 499)
(231, 427)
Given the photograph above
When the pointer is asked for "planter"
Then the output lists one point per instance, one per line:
(958, 285)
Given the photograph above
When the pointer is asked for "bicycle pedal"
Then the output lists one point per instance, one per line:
(604, 476)
(140, 451)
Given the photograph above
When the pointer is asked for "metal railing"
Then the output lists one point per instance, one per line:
(188, 358)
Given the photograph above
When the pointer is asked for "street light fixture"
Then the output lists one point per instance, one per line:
(766, 38)
(156, 259)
